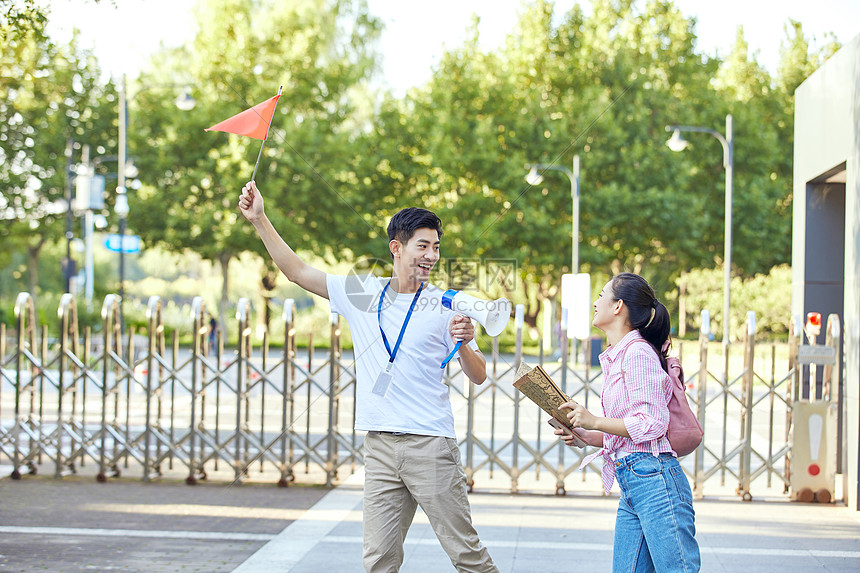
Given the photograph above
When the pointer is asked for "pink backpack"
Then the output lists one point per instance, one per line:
(685, 432)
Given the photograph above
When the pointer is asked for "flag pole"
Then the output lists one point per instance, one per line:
(268, 127)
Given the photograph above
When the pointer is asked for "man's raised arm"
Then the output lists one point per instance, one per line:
(295, 269)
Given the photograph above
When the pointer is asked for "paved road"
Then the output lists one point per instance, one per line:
(549, 534)
(76, 524)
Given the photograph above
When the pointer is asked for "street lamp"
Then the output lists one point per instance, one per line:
(678, 143)
(121, 209)
(68, 263)
(534, 177)
(185, 103)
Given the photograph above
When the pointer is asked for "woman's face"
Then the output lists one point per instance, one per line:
(605, 307)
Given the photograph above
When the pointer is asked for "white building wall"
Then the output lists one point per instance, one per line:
(826, 135)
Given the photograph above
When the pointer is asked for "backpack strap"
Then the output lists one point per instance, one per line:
(672, 363)
(624, 353)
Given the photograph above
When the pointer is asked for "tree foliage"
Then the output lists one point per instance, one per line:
(766, 294)
(21, 18)
(49, 95)
(342, 158)
(603, 87)
(320, 52)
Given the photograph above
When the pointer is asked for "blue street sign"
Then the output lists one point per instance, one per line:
(128, 244)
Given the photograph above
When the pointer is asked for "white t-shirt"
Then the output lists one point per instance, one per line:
(417, 400)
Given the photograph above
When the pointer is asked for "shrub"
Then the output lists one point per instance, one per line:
(768, 295)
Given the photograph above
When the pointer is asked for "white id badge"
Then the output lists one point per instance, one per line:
(383, 381)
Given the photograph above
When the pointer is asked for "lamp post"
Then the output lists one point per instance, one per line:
(89, 189)
(185, 103)
(678, 143)
(121, 209)
(121, 206)
(125, 169)
(534, 177)
(68, 265)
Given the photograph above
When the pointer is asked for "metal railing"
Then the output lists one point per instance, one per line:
(280, 410)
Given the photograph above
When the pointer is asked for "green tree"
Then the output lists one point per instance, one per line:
(762, 163)
(763, 113)
(339, 161)
(602, 87)
(21, 18)
(768, 295)
(798, 60)
(322, 53)
(49, 95)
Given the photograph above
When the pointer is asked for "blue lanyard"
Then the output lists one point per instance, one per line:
(453, 352)
(393, 353)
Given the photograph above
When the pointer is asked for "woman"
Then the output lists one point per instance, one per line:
(655, 524)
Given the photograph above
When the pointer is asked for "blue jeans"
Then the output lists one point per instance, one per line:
(655, 527)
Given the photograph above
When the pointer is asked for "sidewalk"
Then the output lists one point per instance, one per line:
(76, 524)
(544, 533)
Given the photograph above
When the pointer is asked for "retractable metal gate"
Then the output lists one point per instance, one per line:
(84, 399)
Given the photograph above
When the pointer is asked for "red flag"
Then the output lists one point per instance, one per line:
(252, 122)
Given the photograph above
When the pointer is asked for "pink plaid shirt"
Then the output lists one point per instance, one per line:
(639, 396)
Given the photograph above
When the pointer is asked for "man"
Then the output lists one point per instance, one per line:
(401, 334)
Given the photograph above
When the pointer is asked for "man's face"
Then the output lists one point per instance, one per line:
(415, 259)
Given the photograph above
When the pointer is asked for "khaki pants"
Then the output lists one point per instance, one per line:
(402, 472)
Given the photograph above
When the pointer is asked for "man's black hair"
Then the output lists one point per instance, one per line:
(404, 224)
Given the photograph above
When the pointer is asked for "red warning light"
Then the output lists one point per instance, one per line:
(813, 469)
(813, 318)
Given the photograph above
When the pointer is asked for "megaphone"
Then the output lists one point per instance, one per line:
(492, 314)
